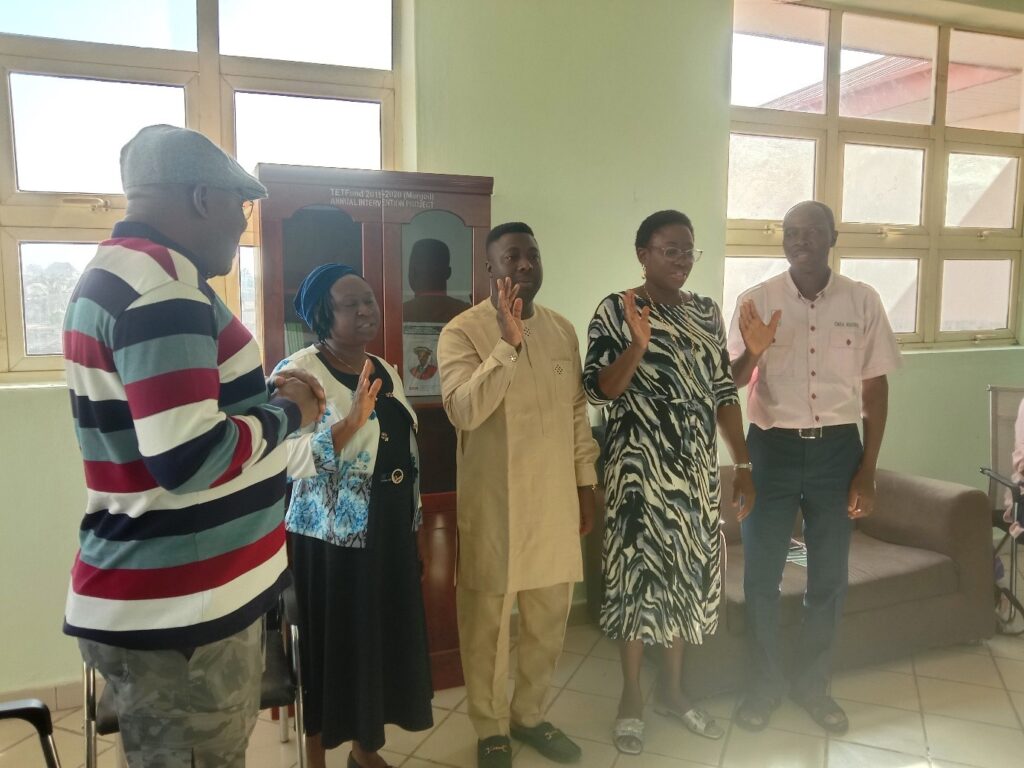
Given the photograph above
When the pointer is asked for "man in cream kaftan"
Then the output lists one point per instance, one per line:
(512, 385)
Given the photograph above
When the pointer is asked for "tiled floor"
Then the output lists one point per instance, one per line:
(961, 706)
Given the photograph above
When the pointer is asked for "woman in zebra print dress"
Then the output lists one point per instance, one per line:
(657, 360)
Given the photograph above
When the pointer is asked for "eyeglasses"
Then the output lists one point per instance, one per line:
(247, 206)
(674, 254)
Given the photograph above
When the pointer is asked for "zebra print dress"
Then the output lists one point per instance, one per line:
(662, 545)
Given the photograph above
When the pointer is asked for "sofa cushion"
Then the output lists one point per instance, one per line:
(881, 574)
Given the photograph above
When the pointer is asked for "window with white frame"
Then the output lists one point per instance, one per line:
(306, 82)
(911, 131)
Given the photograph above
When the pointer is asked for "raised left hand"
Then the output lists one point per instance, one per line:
(743, 493)
(861, 499)
(588, 507)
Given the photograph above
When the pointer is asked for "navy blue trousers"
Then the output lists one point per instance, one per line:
(812, 477)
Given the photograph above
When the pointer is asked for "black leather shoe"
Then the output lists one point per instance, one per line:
(494, 752)
(549, 741)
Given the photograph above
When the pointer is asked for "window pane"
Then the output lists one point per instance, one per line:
(353, 33)
(778, 57)
(768, 175)
(743, 272)
(984, 84)
(302, 131)
(247, 288)
(61, 146)
(49, 272)
(887, 69)
(896, 283)
(975, 294)
(169, 24)
(981, 192)
(882, 185)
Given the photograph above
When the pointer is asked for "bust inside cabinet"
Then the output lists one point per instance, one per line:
(418, 239)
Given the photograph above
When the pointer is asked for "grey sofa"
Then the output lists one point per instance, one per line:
(920, 577)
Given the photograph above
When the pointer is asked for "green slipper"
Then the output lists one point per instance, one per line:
(494, 752)
(549, 741)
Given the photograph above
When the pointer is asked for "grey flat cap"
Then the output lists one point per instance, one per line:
(166, 154)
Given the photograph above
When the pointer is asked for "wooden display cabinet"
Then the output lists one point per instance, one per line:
(419, 240)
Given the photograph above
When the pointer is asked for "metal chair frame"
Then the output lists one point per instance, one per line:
(100, 709)
(37, 714)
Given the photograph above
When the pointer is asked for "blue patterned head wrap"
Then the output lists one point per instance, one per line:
(316, 285)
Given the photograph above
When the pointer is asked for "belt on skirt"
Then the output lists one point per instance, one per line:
(397, 476)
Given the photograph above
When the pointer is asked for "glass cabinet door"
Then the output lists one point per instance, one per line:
(315, 235)
(437, 284)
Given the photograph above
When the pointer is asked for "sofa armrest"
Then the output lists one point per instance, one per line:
(943, 517)
(929, 514)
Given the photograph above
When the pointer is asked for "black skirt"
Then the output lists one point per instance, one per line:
(365, 659)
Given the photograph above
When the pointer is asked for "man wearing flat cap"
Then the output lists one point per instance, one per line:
(182, 544)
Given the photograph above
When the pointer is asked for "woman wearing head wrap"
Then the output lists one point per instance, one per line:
(352, 525)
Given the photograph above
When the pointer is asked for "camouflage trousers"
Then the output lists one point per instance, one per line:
(192, 708)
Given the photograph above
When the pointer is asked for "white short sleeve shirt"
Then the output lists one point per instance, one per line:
(825, 347)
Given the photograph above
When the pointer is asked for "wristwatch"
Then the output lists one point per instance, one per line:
(744, 465)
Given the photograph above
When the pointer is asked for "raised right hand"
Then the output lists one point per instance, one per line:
(510, 312)
(756, 335)
(638, 321)
(300, 393)
(364, 399)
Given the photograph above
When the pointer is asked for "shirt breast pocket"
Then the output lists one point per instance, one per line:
(778, 359)
(562, 372)
(846, 352)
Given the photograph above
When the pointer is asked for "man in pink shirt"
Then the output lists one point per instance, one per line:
(816, 369)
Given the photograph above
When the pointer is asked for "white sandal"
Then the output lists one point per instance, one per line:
(696, 720)
(628, 735)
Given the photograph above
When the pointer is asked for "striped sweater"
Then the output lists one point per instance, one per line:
(182, 542)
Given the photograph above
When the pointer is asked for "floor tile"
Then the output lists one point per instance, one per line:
(967, 702)
(1018, 702)
(70, 749)
(875, 686)
(606, 649)
(405, 742)
(13, 731)
(988, 746)
(1012, 672)
(603, 677)
(899, 730)
(584, 715)
(581, 638)
(667, 736)
(452, 743)
(842, 754)
(267, 751)
(450, 698)
(958, 666)
(1006, 646)
(656, 761)
(771, 748)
